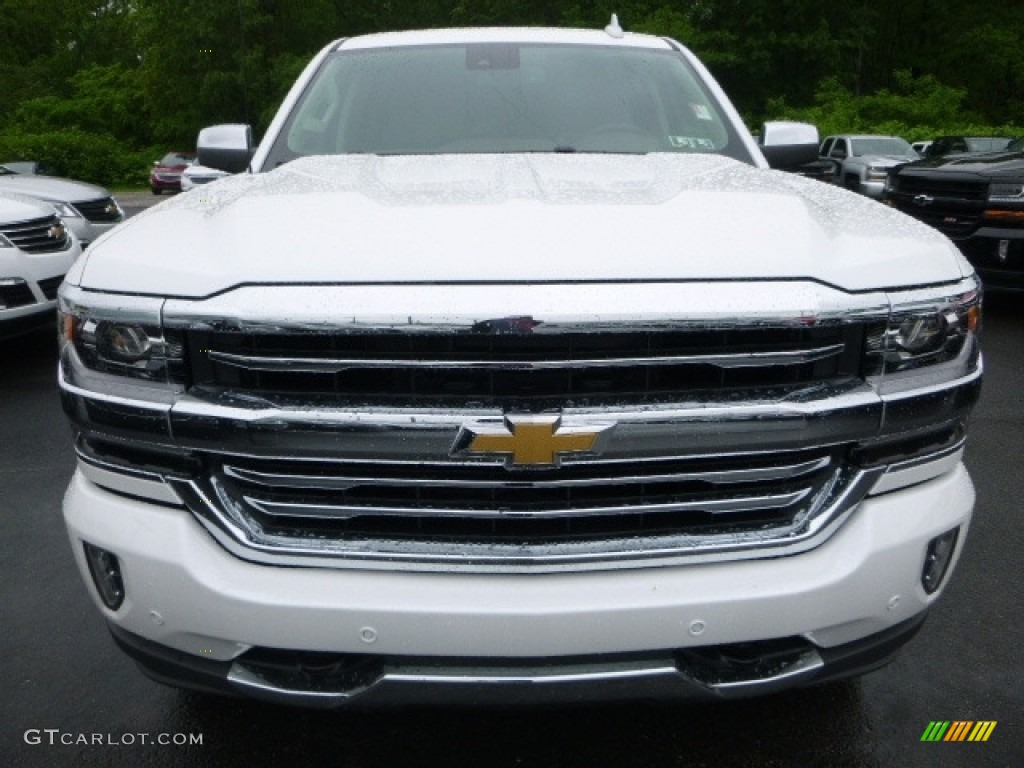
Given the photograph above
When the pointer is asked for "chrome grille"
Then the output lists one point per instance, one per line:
(480, 515)
(38, 235)
(514, 365)
(101, 210)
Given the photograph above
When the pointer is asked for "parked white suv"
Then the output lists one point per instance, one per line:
(36, 250)
(864, 161)
(509, 367)
(196, 175)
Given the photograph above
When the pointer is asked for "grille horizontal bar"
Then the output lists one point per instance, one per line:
(331, 365)
(348, 480)
(544, 369)
(712, 506)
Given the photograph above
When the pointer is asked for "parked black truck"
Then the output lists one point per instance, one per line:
(975, 199)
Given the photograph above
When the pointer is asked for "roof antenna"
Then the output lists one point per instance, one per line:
(613, 29)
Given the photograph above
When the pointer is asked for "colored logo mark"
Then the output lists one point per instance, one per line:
(958, 730)
(530, 441)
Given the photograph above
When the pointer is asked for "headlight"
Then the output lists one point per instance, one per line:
(119, 335)
(931, 334)
(1006, 192)
(876, 173)
(931, 337)
(66, 210)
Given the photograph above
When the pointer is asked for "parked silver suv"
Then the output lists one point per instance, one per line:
(87, 210)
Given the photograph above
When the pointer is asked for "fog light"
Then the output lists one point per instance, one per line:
(106, 575)
(937, 559)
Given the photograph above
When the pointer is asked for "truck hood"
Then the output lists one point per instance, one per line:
(984, 163)
(885, 161)
(514, 218)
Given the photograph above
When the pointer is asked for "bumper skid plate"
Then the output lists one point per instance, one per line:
(328, 681)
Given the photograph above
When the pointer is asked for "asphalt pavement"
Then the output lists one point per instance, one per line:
(71, 698)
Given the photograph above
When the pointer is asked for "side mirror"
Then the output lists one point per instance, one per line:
(789, 145)
(225, 147)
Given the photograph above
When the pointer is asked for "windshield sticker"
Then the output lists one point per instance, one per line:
(691, 142)
(701, 111)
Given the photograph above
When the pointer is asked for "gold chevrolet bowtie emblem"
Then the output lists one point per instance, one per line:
(530, 441)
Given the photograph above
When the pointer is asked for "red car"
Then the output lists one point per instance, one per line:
(166, 173)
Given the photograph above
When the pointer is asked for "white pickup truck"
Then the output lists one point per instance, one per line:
(505, 367)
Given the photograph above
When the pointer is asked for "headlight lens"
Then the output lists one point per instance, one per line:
(120, 335)
(917, 334)
(1006, 192)
(876, 173)
(66, 211)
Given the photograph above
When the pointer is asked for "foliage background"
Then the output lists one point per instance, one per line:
(101, 89)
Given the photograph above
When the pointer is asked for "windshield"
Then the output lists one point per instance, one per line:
(987, 144)
(176, 158)
(882, 146)
(500, 97)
